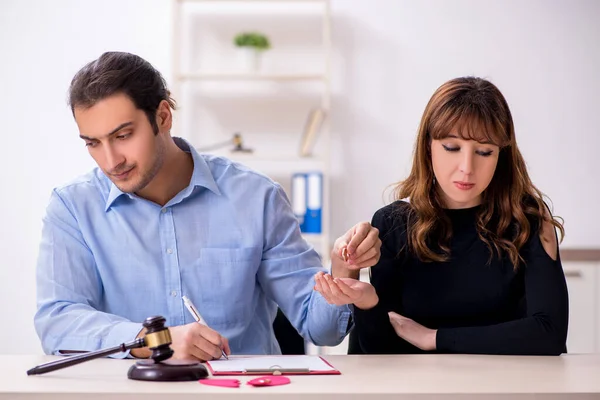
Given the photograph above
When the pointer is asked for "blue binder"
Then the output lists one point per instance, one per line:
(299, 198)
(307, 200)
(314, 202)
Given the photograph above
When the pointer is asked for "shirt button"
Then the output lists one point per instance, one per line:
(174, 293)
(164, 210)
(170, 251)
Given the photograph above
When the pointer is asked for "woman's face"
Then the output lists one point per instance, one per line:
(463, 169)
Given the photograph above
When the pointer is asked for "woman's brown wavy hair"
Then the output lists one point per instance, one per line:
(475, 109)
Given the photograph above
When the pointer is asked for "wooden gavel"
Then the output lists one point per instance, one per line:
(158, 340)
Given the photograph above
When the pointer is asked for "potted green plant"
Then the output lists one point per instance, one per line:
(251, 45)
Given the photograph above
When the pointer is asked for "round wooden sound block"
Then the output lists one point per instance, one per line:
(168, 370)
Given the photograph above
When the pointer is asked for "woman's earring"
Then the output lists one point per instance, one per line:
(434, 181)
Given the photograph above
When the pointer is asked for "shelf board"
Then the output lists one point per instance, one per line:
(263, 157)
(202, 76)
(313, 236)
(319, 241)
(273, 158)
(252, 1)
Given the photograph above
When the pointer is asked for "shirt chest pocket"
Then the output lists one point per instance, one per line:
(223, 281)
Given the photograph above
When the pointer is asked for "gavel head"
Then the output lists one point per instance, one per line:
(158, 338)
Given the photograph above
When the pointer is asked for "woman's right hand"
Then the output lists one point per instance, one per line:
(340, 291)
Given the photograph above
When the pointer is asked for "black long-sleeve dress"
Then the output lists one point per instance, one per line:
(476, 307)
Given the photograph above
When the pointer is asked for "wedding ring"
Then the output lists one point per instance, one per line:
(345, 254)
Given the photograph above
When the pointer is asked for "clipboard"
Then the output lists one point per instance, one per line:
(272, 365)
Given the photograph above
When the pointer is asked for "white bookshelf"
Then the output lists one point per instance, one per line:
(251, 1)
(288, 161)
(216, 76)
(269, 107)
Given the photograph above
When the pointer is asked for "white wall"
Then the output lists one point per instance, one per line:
(42, 45)
(543, 55)
(390, 57)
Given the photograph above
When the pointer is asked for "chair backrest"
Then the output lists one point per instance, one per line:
(288, 337)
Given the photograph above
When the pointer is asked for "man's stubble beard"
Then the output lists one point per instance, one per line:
(151, 173)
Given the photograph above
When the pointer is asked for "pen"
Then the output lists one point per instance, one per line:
(192, 309)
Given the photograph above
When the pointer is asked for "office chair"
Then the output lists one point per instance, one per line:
(287, 336)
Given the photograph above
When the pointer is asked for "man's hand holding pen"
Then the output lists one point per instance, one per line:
(197, 341)
(191, 342)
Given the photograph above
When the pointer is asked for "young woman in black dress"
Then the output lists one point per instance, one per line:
(469, 258)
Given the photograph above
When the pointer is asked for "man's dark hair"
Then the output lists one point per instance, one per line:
(118, 72)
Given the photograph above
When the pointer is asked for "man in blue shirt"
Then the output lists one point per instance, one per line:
(157, 221)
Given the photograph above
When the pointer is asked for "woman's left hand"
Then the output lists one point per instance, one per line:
(413, 332)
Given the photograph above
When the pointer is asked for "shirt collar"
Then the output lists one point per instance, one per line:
(201, 176)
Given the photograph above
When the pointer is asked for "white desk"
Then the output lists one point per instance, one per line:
(363, 377)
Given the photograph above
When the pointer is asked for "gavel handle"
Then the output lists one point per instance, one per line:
(72, 360)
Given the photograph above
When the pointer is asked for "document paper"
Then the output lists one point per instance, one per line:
(241, 364)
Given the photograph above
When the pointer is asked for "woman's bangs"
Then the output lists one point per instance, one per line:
(469, 125)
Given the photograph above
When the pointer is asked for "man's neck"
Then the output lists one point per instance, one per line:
(174, 176)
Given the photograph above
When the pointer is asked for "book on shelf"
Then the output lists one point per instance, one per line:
(312, 128)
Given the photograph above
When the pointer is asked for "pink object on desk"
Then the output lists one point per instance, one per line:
(269, 380)
(233, 383)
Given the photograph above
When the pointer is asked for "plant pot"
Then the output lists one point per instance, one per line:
(249, 59)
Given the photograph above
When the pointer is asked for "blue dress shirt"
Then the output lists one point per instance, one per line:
(229, 241)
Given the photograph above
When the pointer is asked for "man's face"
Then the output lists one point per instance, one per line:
(121, 140)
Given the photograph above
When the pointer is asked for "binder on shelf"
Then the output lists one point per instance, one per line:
(307, 200)
(312, 128)
(299, 197)
(314, 202)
